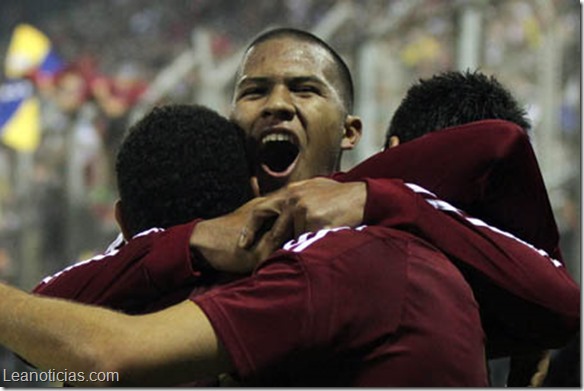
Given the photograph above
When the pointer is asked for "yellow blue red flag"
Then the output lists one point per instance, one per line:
(30, 51)
(19, 115)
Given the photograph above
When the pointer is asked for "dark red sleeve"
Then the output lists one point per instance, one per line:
(262, 318)
(525, 295)
(295, 303)
(486, 168)
(145, 269)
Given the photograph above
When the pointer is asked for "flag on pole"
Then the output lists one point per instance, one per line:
(30, 51)
(19, 116)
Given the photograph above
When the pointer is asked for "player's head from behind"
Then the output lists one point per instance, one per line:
(451, 99)
(178, 163)
(293, 96)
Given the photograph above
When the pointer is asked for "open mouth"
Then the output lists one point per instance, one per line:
(278, 153)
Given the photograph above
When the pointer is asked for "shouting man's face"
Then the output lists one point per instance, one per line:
(287, 100)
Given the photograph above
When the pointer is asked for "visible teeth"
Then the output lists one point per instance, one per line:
(277, 137)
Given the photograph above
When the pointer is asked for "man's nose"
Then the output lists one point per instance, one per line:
(279, 104)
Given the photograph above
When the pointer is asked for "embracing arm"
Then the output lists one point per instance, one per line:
(148, 266)
(493, 171)
(508, 273)
(169, 347)
(306, 206)
(486, 168)
(158, 262)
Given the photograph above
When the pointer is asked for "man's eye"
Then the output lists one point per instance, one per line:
(306, 89)
(251, 92)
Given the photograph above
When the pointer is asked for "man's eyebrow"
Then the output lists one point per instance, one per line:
(305, 79)
(288, 79)
(253, 80)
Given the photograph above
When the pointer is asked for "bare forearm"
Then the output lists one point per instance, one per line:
(53, 334)
(165, 348)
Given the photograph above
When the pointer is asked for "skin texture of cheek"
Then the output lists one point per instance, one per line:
(241, 115)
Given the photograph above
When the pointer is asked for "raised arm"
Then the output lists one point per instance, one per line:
(170, 347)
(486, 168)
(506, 273)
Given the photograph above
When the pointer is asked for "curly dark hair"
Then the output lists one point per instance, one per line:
(450, 99)
(178, 163)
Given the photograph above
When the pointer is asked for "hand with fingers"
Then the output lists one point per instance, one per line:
(305, 206)
(217, 241)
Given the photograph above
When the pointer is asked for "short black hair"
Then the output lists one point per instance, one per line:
(178, 163)
(344, 74)
(453, 98)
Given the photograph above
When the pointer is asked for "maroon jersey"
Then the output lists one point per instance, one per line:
(486, 168)
(527, 298)
(510, 278)
(154, 267)
(351, 307)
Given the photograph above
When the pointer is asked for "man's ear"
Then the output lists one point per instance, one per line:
(393, 142)
(119, 214)
(352, 133)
